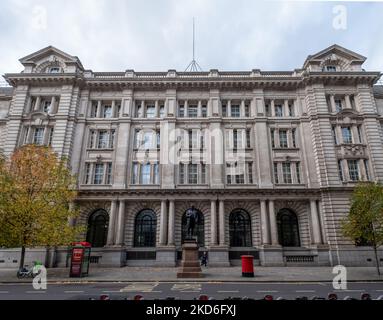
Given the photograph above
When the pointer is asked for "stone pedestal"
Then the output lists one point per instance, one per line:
(113, 256)
(190, 264)
(271, 255)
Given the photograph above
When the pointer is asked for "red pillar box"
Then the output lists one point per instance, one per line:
(247, 266)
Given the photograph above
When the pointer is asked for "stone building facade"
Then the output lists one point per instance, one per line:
(268, 159)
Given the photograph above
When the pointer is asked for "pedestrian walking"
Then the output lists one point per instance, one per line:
(204, 259)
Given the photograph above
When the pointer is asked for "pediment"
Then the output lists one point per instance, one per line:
(343, 58)
(51, 56)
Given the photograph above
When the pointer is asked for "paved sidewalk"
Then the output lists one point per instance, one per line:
(230, 274)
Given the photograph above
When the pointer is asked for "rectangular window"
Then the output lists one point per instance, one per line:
(192, 111)
(38, 137)
(360, 134)
(228, 173)
(333, 130)
(247, 110)
(150, 111)
(50, 138)
(94, 110)
(204, 111)
(148, 143)
(136, 141)
(330, 68)
(140, 110)
(276, 177)
(158, 139)
(26, 133)
(347, 135)
(283, 139)
(353, 170)
(98, 173)
(46, 106)
(112, 137)
(145, 174)
(294, 137)
(267, 110)
(108, 173)
(224, 111)
(203, 173)
(135, 173)
(193, 173)
(291, 110)
(235, 139)
(156, 173)
(248, 138)
(286, 171)
(366, 169)
(87, 173)
(278, 110)
(235, 111)
(182, 173)
(340, 170)
(338, 105)
(103, 139)
(250, 172)
(298, 171)
(272, 138)
(107, 111)
(181, 111)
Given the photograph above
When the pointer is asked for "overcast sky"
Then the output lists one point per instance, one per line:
(156, 35)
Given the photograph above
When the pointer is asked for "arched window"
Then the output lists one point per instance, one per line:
(199, 228)
(288, 229)
(240, 228)
(97, 228)
(145, 229)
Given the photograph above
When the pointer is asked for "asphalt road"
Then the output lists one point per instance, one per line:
(186, 290)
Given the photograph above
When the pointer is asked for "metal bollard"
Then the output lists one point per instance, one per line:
(332, 296)
(138, 297)
(365, 296)
(268, 297)
(203, 297)
(104, 297)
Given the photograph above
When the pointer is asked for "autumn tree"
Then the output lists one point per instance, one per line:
(36, 189)
(364, 223)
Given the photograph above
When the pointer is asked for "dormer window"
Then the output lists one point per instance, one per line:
(54, 70)
(330, 68)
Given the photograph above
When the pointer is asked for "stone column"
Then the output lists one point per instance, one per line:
(362, 169)
(317, 238)
(332, 102)
(339, 136)
(121, 223)
(163, 223)
(37, 103)
(228, 108)
(186, 105)
(346, 173)
(222, 238)
(29, 104)
(199, 112)
(142, 115)
(156, 109)
(286, 107)
(273, 223)
(213, 222)
(99, 106)
(53, 105)
(348, 102)
(112, 219)
(264, 223)
(171, 223)
(272, 107)
(242, 109)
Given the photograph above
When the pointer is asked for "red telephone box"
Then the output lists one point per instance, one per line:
(80, 257)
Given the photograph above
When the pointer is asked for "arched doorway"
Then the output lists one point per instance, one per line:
(288, 228)
(240, 228)
(199, 228)
(97, 228)
(145, 226)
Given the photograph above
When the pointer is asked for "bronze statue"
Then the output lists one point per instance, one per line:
(191, 221)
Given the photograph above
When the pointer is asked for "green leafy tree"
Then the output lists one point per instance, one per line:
(364, 223)
(36, 189)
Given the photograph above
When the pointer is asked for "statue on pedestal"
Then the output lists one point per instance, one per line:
(191, 221)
